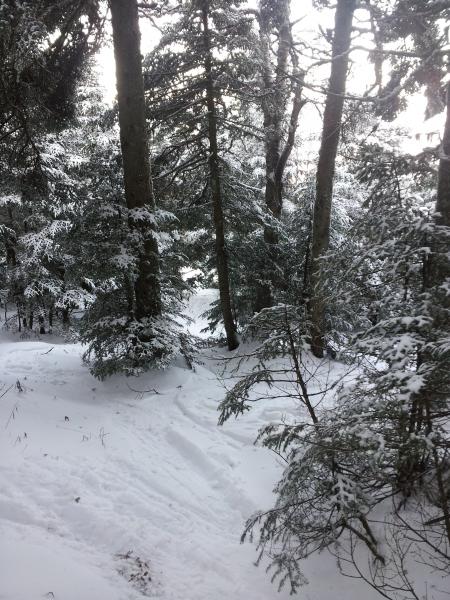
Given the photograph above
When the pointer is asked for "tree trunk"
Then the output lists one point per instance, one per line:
(429, 402)
(65, 317)
(135, 155)
(19, 317)
(332, 121)
(274, 99)
(216, 190)
(10, 241)
(443, 193)
(275, 94)
(41, 321)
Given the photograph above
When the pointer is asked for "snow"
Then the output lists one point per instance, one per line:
(198, 304)
(92, 470)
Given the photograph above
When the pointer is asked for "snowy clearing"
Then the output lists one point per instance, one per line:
(100, 479)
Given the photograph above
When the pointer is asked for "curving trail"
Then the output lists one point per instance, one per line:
(90, 470)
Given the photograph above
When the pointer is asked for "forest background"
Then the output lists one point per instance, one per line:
(328, 242)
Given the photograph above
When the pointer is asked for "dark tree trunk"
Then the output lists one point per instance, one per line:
(19, 317)
(216, 190)
(443, 193)
(274, 103)
(65, 317)
(41, 324)
(429, 401)
(135, 155)
(332, 121)
(10, 241)
(275, 94)
(439, 275)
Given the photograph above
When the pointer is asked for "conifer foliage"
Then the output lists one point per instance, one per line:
(246, 152)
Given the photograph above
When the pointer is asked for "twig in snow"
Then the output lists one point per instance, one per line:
(48, 351)
(6, 391)
(151, 391)
(102, 436)
(12, 415)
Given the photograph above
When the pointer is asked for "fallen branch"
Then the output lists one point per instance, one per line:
(6, 391)
(48, 351)
(151, 391)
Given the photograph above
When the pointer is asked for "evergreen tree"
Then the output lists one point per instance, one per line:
(384, 442)
(326, 165)
(279, 82)
(187, 89)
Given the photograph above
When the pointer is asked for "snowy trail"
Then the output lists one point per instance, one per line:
(90, 470)
(153, 474)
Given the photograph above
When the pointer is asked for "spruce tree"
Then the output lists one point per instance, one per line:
(326, 166)
(281, 82)
(187, 86)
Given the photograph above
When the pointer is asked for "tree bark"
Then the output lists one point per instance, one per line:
(41, 321)
(10, 241)
(431, 398)
(275, 94)
(274, 100)
(443, 192)
(135, 154)
(332, 121)
(216, 189)
(65, 317)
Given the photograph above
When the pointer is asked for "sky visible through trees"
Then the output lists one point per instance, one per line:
(308, 21)
(255, 194)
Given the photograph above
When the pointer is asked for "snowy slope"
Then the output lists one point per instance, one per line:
(196, 307)
(92, 470)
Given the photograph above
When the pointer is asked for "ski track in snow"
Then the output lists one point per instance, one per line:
(92, 469)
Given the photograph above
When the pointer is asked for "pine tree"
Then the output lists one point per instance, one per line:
(187, 88)
(133, 137)
(44, 48)
(280, 83)
(326, 166)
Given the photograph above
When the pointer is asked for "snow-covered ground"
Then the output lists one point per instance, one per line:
(104, 485)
